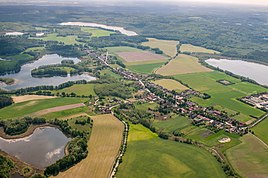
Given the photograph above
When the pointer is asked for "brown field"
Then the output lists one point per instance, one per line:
(56, 109)
(171, 84)
(196, 49)
(139, 56)
(103, 146)
(19, 99)
(183, 64)
(250, 158)
(169, 47)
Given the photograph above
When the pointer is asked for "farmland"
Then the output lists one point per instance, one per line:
(196, 49)
(223, 97)
(68, 40)
(139, 56)
(183, 64)
(28, 107)
(145, 68)
(171, 84)
(103, 147)
(23, 98)
(173, 159)
(169, 47)
(260, 130)
(250, 157)
(86, 89)
(95, 32)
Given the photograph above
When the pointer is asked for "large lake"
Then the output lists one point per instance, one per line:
(254, 71)
(114, 28)
(41, 149)
(24, 78)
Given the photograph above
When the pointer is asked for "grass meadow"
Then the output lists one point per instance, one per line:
(149, 156)
(196, 49)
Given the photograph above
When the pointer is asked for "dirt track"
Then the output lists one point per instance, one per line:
(103, 146)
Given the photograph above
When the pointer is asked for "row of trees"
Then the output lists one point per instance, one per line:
(5, 101)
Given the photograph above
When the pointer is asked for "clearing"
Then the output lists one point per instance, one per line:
(103, 146)
(169, 47)
(95, 32)
(78, 89)
(183, 64)
(250, 158)
(140, 56)
(149, 156)
(19, 99)
(68, 40)
(171, 84)
(196, 49)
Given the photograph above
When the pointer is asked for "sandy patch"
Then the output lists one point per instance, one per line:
(225, 140)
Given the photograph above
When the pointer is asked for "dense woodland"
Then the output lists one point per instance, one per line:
(5, 101)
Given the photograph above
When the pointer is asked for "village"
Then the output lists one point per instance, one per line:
(177, 102)
(257, 100)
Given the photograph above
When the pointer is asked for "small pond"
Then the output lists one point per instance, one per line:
(41, 149)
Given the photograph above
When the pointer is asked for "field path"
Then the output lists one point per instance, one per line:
(56, 109)
(103, 146)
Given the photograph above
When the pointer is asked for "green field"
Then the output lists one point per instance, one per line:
(145, 68)
(260, 130)
(79, 89)
(96, 32)
(223, 97)
(28, 107)
(68, 40)
(149, 156)
(250, 158)
(196, 49)
(66, 113)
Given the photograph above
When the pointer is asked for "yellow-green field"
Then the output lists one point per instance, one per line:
(79, 89)
(169, 47)
(152, 157)
(68, 40)
(260, 130)
(196, 49)
(96, 32)
(103, 146)
(250, 158)
(183, 64)
(170, 84)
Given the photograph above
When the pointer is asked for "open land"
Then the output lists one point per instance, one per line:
(183, 64)
(85, 89)
(103, 147)
(169, 47)
(68, 40)
(23, 98)
(28, 107)
(139, 56)
(250, 158)
(171, 84)
(223, 97)
(260, 130)
(196, 49)
(96, 32)
(149, 156)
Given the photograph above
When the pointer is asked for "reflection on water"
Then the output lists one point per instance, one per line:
(254, 71)
(41, 149)
(24, 79)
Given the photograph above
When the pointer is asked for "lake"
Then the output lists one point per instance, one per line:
(14, 33)
(114, 28)
(254, 71)
(24, 78)
(41, 149)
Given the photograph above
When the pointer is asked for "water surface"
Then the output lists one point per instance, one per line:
(254, 71)
(24, 78)
(115, 28)
(41, 149)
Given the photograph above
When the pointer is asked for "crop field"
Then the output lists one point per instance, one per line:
(145, 68)
(96, 32)
(79, 89)
(68, 40)
(69, 113)
(224, 97)
(171, 84)
(23, 98)
(196, 49)
(139, 56)
(169, 47)
(183, 64)
(250, 158)
(173, 159)
(25, 108)
(260, 130)
(103, 146)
